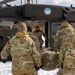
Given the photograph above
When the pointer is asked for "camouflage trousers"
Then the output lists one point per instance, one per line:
(30, 73)
(67, 72)
(27, 74)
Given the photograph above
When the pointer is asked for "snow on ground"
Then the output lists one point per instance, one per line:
(44, 72)
(5, 69)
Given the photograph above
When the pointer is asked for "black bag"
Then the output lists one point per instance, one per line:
(49, 59)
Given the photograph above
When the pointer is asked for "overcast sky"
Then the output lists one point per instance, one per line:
(49, 2)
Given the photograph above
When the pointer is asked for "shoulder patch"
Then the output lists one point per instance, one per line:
(21, 41)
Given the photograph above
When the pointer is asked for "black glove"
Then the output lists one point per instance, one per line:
(4, 61)
(37, 68)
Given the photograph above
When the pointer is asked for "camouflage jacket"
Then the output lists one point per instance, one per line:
(39, 34)
(23, 52)
(36, 41)
(64, 43)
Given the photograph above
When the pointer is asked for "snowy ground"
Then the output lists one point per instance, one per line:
(5, 69)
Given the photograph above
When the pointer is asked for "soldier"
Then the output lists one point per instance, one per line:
(38, 33)
(64, 44)
(33, 37)
(28, 1)
(25, 57)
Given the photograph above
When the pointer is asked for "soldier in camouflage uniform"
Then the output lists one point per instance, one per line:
(64, 43)
(34, 38)
(25, 57)
(38, 33)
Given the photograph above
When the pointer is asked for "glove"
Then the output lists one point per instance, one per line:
(4, 61)
(37, 68)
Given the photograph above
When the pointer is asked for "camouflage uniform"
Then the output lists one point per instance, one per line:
(39, 34)
(35, 39)
(64, 43)
(25, 57)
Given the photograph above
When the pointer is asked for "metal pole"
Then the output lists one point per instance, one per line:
(21, 2)
(36, 1)
(25, 1)
(32, 1)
